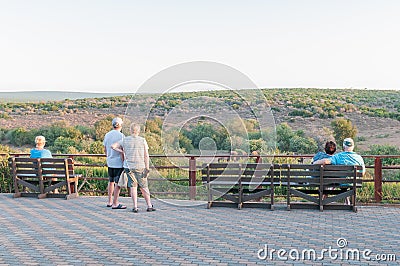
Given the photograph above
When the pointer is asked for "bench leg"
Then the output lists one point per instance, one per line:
(240, 196)
(209, 196)
(42, 196)
(272, 196)
(71, 196)
(72, 189)
(17, 194)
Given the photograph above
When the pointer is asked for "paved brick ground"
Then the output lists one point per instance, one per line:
(84, 231)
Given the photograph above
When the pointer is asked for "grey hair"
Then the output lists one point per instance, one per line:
(135, 128)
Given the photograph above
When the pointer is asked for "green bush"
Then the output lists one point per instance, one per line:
(383, 150)
(5, 115)
(5, 176)
(302, 113)
(20, 136)
(96, 147)
(390, 192)
(3, 133)
(62, 144)
(101, 127)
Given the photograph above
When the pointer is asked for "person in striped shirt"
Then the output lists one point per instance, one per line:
(136, 165)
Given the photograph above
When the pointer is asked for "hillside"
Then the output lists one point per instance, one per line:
(376, 114)
(44, 96)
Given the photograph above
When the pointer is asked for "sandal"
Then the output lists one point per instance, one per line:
(120, 206)
(151, 209)
(135, 210)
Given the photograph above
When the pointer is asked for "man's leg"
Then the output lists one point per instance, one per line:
(111, 184)
(110, 190)
(115, 204)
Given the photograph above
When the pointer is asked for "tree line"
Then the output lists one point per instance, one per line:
(62, 138)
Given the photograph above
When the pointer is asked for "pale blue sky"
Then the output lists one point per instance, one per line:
(116, 45)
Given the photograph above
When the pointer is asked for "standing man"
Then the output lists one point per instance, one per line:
(136, 165)
(114, 160)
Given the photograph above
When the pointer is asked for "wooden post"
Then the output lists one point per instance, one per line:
(378, 179)
(192, 178)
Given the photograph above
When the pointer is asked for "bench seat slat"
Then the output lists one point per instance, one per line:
(25, 171)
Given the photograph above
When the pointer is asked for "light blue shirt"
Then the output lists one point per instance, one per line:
(348, 158)
(35, 153)
(113, 157)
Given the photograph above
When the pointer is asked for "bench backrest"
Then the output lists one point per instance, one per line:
(257, 172)
(342, 174)
(57, 167)
(23, 167)
(31, 167)
(311, 173)
(235, 172)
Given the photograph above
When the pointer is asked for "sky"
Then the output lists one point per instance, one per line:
(116, 45)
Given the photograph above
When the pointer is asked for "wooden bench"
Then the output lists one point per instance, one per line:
(321, 185)
(239, 184)
(44, 177)
(316, 186)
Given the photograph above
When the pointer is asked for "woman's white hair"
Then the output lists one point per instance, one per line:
(40, 139)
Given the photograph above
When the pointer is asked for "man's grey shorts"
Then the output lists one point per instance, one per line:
(136, 177)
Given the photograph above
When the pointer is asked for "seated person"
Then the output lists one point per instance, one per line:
(40, 151)
(346, 157)
(330, 149)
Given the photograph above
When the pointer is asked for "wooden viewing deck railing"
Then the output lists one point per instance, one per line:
(193, 167)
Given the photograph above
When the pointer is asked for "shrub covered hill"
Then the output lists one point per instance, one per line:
(309, 112)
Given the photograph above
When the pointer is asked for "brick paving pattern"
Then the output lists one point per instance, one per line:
(84, 231)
